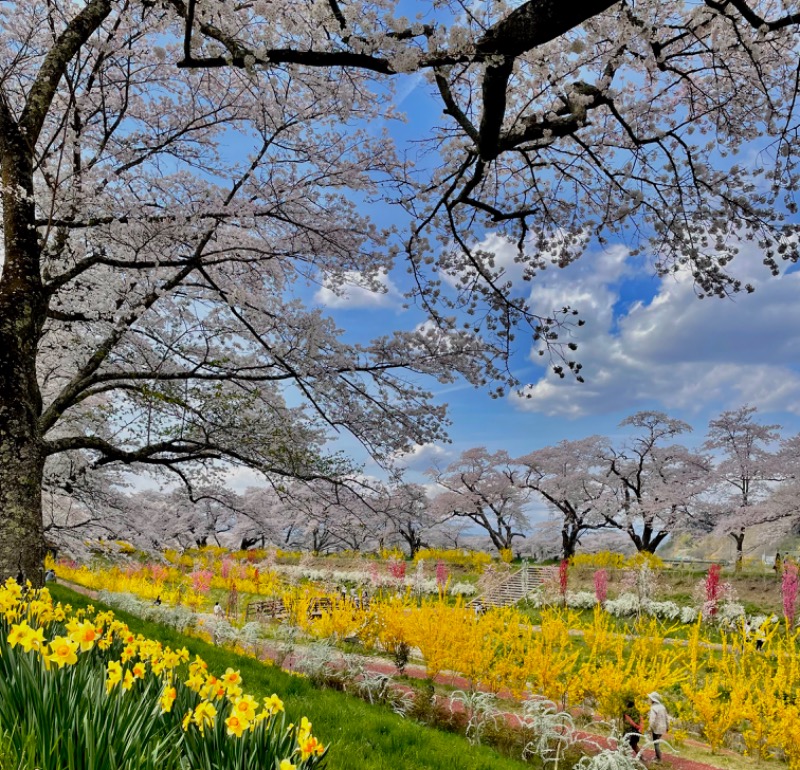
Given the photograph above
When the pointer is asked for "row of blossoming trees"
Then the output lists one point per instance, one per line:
(643, 488)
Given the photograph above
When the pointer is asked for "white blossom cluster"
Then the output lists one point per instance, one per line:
(728, 614)
(363, 579)
(184, 620)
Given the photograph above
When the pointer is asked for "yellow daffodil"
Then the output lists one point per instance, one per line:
(18, 633)
(85, 634)
(187, 720)
(63, 651)
(114, 675)
(273, 704)
(304, 730)
(231, 678)
(233, 692)
(204, 714)
(127, 681)
(235, 725)
(245, 708)
(310, 746)
(167, 699)
(287, 765)
(195, 682)
(34, 640)
(128, 653)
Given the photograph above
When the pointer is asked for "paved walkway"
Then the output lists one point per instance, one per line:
(450, 679)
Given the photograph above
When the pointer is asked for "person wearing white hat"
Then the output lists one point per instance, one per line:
(658, 720)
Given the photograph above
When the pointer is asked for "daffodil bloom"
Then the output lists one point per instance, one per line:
(233, 692)
(231, 677)
(187, 720)
(85, 634)
(167, 699)
(210, 686)
(245, 708)
(287, 765)
(34, 640)
(37, 608)
(273, 704)
(63, 651)
(194, 682)
(128, 653)
(218, 691)
(310, 745)
(18, 633)
(114, 676)
(235, 725)
(204, 714)
(139, 670)
(14, 589)
(304, 730)
(127, 681)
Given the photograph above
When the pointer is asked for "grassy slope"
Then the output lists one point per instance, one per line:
(363, 737)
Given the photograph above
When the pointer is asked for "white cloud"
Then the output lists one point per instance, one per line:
(675, 349)
(422, 456)
(500, 256)
(240, 479)
(360, 291)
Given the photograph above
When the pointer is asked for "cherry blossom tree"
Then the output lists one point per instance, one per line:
(656, 486)
(408, 514)
(783, 504)
(150, 305)
(157, 519)
(346, 515)
(150, 299)
(572, 479)
(745, 473)
(265, 516)
(560, 119)
(484, 489)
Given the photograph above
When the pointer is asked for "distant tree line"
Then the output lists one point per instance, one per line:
(645, 487)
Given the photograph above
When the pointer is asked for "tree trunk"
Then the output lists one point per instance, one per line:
(22, 312)
(738, 538)
(569, 541)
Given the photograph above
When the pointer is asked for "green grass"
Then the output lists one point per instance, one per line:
(362, 737)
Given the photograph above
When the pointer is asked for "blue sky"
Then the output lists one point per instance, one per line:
(648, 342)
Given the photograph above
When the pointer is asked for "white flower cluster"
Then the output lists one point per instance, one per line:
(180, 618)
(663, 610)
(183, 619)
(363, 579)
(624, 605)
(730, 614)
(581, 600)
(627, 604)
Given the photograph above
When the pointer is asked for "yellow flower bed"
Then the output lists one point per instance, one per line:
(37, 634)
